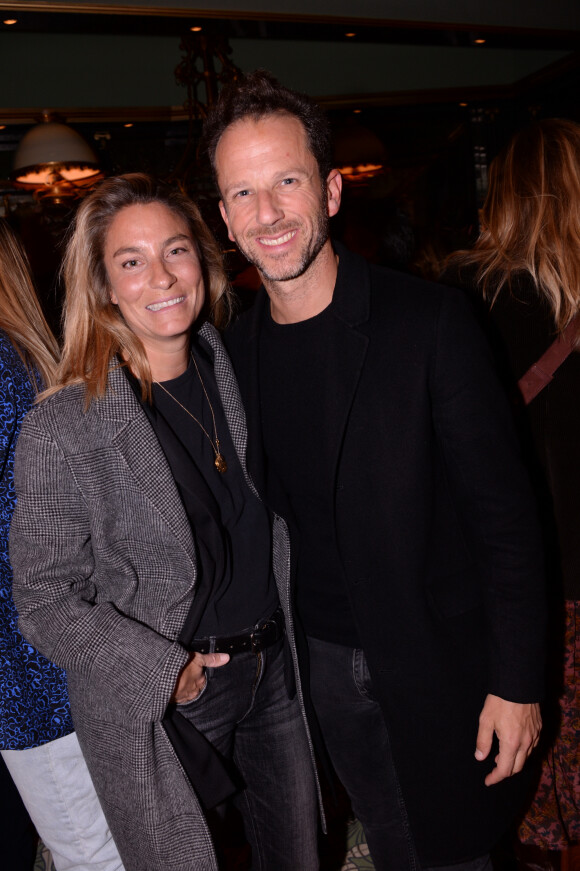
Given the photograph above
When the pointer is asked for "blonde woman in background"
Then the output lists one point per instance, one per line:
(525, 269)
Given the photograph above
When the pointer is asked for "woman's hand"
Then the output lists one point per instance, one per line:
(192, 679)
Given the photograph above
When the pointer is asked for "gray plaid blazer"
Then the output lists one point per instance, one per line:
(104, 575)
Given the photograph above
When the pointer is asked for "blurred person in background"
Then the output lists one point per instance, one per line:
(524, 271)
(37, 738)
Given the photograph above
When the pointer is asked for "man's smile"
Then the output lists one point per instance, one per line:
(279, 241)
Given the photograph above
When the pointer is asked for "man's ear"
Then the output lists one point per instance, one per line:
(333, 191)
(224, 215)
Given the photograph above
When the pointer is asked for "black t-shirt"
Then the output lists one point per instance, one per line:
(299, 449)
(231, 526)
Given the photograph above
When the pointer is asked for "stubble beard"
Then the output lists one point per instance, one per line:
(282, 270)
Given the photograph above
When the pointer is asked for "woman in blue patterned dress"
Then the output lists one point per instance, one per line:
(37, 740)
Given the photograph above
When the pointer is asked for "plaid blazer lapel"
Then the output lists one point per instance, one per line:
(230, 396)
(138, 445)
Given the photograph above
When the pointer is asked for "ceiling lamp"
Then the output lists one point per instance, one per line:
(359, 153)
(54, 161)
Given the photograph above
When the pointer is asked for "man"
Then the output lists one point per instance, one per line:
(388, 447)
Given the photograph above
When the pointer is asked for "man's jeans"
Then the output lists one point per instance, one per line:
(245, 712)
(56, 787)
(357, 740)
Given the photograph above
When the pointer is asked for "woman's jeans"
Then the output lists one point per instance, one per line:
(245, 712)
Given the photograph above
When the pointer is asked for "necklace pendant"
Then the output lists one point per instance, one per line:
(220, 463)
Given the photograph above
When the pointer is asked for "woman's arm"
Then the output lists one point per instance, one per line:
(8, 415)
(133, 667)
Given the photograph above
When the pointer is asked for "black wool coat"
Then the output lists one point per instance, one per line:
(437, 533)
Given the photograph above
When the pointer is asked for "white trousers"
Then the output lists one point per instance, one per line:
(58, 792)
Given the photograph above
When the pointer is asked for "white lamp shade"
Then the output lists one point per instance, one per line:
(50, 145)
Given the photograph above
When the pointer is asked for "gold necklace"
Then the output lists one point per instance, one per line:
(220, 460)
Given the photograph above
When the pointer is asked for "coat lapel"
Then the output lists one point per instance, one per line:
(138, 445)
(247, 373)
(348, 345)
(233, 407)
(348, 349)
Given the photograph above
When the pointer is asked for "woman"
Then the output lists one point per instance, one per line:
(37, 740)
(526, 267)
(142, 553)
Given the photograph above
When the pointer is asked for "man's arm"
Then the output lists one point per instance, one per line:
(517, 727)
(477, 436)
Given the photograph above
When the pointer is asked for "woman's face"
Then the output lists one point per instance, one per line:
(154, 275)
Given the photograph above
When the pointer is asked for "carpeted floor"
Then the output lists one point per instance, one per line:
(357, 857)
(43, 859)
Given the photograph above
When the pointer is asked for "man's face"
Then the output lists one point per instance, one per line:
(274, 203)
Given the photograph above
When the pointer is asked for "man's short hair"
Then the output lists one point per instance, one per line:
(257, 95)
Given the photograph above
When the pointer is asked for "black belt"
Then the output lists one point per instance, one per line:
(257, 639)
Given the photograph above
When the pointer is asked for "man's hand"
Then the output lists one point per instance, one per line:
(192, 679)
(518, 730)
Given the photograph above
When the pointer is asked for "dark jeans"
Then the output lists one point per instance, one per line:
(245, 712)
(357, 741)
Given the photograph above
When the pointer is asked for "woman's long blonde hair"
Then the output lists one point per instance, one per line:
(531, 218)
(94, 329)
(21, 316)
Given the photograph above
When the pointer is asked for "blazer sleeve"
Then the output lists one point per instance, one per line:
(474, 427)
(129, 665)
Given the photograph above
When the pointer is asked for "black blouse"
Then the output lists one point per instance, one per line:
(230, 525)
